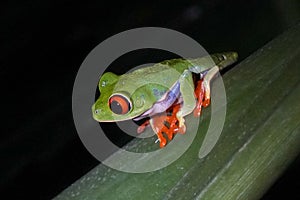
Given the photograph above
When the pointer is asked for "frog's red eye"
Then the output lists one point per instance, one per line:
(119, 104)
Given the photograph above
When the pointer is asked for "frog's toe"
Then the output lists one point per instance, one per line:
(206, 102)
(181, 122)
(182, 129)
(197, 111)
(162, 143)
(161, 139)
(170, 134)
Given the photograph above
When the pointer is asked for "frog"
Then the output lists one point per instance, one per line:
(165, 87)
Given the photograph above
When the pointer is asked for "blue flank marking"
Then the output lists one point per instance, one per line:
(173, 94)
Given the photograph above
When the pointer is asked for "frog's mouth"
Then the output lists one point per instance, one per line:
(117, 118)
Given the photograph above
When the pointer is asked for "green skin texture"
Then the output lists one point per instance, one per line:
(144, 87)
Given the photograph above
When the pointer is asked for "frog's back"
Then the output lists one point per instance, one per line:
(165, 73)
(179, 65)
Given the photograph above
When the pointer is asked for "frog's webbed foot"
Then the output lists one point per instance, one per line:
(167, 125)
(157, 127)
(203, 100)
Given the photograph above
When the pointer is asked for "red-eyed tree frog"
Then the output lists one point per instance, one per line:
(166, 87)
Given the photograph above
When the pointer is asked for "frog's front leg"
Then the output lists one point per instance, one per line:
(161, 139)
(166, 124)
(142, 127)
(187, 94)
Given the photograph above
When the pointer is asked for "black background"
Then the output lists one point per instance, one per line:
(43, 44)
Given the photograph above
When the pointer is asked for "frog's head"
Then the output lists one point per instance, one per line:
(118, 102)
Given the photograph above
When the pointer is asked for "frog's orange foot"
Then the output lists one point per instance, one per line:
(167, 130)
(143, 126)
(203, 100)
(166, 126)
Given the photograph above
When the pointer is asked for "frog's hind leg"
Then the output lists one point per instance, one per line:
(202, 91)
(199, 95)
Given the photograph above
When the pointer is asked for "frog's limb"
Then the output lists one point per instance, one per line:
(142, 127)
(166, 124)
(199, 94)
(202, 91)
(158, 126)
(187, 94)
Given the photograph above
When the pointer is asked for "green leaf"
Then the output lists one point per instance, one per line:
(260, 138)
